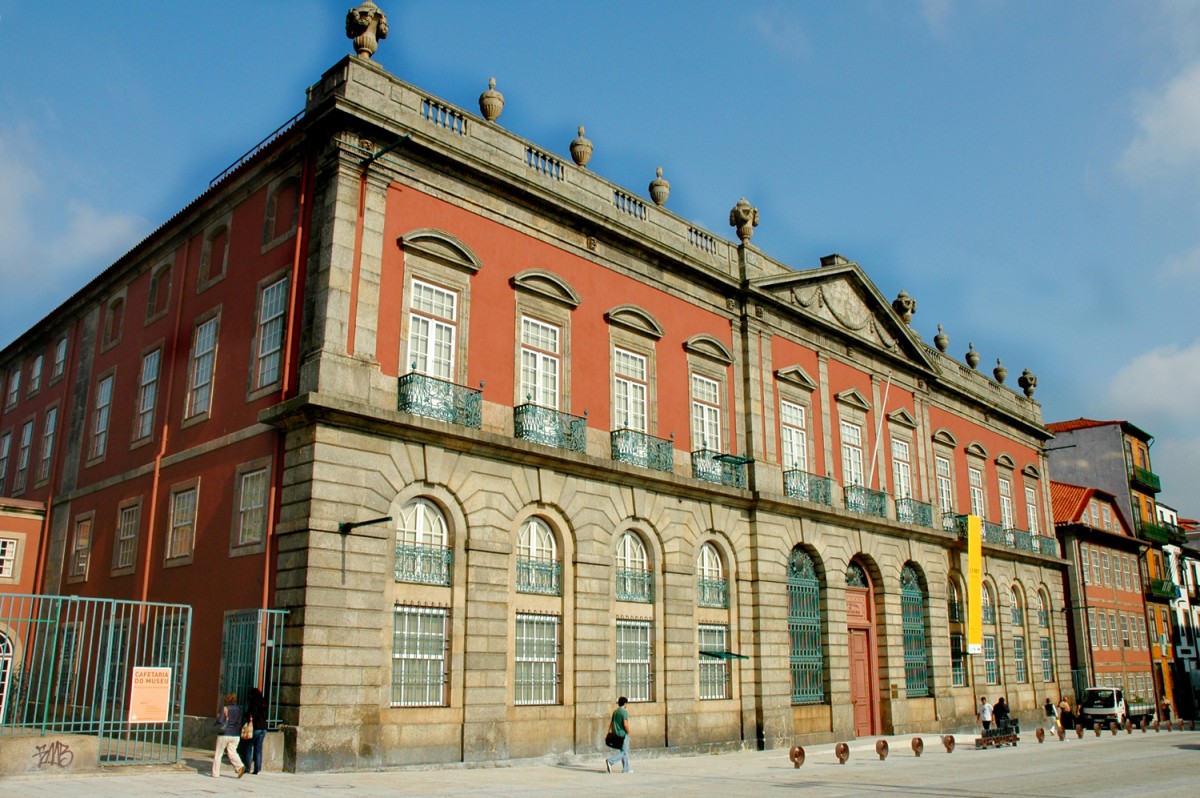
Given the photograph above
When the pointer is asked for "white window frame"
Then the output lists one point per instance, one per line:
(421, 524)
(203, 367)
(1008, 511)
(635, 660)
(713, 673)
(631, 390)
(852, 453)
(101, 417)
(793, 436)
(14, 387)
(706, 413)
(5, 449)
(8, 557)
(147, 398)
(420, 645)
(252, 506)
(49, 431)
(978, 496)
(35, 374)
(81, 548)
(1031, 510)
(433, 313)
(944, 477)
(541, 362)
(24, 448)
(272, 317)
(181, 536)
(128, 524)
(901, 469)
(537, 659)
(60, 359)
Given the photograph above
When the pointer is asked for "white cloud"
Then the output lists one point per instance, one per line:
(937, 16)
(1159, 387)
(1183, 266)
(1168, 137)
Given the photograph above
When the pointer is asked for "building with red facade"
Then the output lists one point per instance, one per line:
(506, 441)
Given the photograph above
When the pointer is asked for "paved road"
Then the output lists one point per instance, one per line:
(1163, 764)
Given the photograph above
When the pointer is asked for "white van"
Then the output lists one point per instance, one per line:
(1105, 704)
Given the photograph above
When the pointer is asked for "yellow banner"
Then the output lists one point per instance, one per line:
(974, 584)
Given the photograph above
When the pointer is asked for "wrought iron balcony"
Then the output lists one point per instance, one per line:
(1154, 532)
(1162, 588)
(635, 585)
(955, 609)
(640, 449)
(440, 400)
(1044, 544)
(1018, 616)
(989, 613)
(954, 523)
(712, 593)
(539, 576)
(1145, 478)
(429, 565)
(810, 487)
(1019, 539)
(720, 469)
(911, 511)
(1043, 618)
(861, 499)
(550, 427)
(994, 533)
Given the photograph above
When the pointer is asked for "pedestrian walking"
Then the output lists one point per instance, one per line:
(619, 724)
(1066, 717)
(229, 723)
(256, 713)
(1051, 716)
(985, 713)
(1000, 713)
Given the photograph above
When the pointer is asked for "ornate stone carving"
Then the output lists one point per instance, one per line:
(659, 189)
(1000, 373)
(581, 149)
(367, 26)
(941, 340)
(744, 217)
(972, 355)
(1028, 382)
(838, 301)
(491, 102)
(905, 306)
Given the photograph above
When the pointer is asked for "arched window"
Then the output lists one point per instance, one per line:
(1020, 666)
(989, 605)
(634, 580)
(916, 656)
(6, 661)
(1018, 608)
(712, 590)
(991, 653)
(958, 641)
(538, 569)
(856, 576)
(281, 211)
(954, 603)
(804, 629)
(421, 551)
(1043, 610)
(213, 257)
(1045, 646)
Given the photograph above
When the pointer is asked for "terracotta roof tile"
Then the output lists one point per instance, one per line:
(1078, 423)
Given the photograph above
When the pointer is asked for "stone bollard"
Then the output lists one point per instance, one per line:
(1168, 725)
(918, 745)
(1079, 731)
(1145, 725)
(1193, 724)
(1128, 726)
(1156, 725)
(1180, 721)
(1062, 734)
(796, 754)
(842, 752)
(1040, 734)
(881, 748)
(1096, 728)
(1112, 725)
(948, 741)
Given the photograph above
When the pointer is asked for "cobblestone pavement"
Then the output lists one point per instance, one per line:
(1163, 764)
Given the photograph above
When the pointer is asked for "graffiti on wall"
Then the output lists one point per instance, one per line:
(55, 754)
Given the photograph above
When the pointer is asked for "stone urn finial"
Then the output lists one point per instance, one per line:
(581, 149)
(905, 306)
(1000, 373)
(744, 217)
(491, 102)
(941, 340)
(1028, 382)
(972, 355)
(659, 189)
(367, 26)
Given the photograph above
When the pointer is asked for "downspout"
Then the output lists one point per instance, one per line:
(166, 427)
(275, 499)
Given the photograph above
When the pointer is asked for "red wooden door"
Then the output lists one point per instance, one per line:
(860, 682)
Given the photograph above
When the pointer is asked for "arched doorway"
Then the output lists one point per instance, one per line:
(6, 665)
(864, 674)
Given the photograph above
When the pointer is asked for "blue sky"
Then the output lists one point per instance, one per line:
(1028, 171)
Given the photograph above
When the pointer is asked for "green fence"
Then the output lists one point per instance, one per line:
(71, 665)
(252, 656)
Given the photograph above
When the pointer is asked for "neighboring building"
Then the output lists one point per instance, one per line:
(1182, 563)
(21, 524)
(1110, 643)
(1114, 456)
(689, 474)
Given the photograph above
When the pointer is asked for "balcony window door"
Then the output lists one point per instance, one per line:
(706, 413)
(901, 469)
(1007, 512)
(852, 454)
(945, 485)
(540, 362)
(432, 331)
(629, 390)
(793, 436)
(975, 478)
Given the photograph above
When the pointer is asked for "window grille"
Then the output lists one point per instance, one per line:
(419, 645)
(916, 658)
(804, 629)
(635, 658)
(714, 671)
(537, 649)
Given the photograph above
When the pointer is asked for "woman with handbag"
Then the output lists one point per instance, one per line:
(256, 715)
(618, 733)
(229, 733)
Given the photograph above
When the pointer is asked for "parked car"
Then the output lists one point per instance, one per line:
(1105, 704)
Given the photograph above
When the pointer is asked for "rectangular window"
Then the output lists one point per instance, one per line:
(901, 469)
(536, 671)
(945, 486)
(48, 430)
(1093, 635)
(127, 535)
(706, 413)
(539, 362)
(1031, 509)
(204, 355)
(1022, 670)
(1104, 569)
(1007, 510)
(635, 655)
(1047, 660)
(1095, 567)
(1127, 566)
(1143, 639)
(1084, 570)
(60, 359)
(14, 387)
(272, 308)
(143, 425)
(5, 446)
(714, 670)
(101, 415)
(8, 558)
(1103, 630)
(1112, 624)
(81, 548)
(183, 524)
(958, 660)
(975, 477)
(1124, 631)
(852, 454)
(991, 666)
(23, 456)
(432, 330)
(1108, 517)
(419, 643)
(35, 374)
(252, 507)
(629, 391)
(793, 436)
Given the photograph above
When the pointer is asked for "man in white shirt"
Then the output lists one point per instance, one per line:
(985, 713)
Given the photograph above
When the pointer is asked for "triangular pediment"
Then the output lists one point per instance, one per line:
(841, 298)
(902, 418)
(546, 284)
(852, 397)
(796, 376)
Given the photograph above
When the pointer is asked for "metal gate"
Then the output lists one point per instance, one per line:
(69, 666)
(251, 656)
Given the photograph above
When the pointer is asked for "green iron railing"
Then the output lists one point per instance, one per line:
(720, 469)
(861, 499)
(804, 630)
(428, 565)
(954, 523)
(1043, 618)
(809, 487)
(640, 449)
(252, 656)
(635, 585)
(1019, 539)
(916, 659)
(550, 427)
(1145, 478)
(1045, 545)
(539, 576)
(1163, 588)
(989, 613)
(911, 511)
(994, 533)
(712, 592)
(1018, 616)
(440, 400)
(1155, 532)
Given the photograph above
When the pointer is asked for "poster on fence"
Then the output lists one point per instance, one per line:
(150, 698)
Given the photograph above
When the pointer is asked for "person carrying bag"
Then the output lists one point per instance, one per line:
(618, 736)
